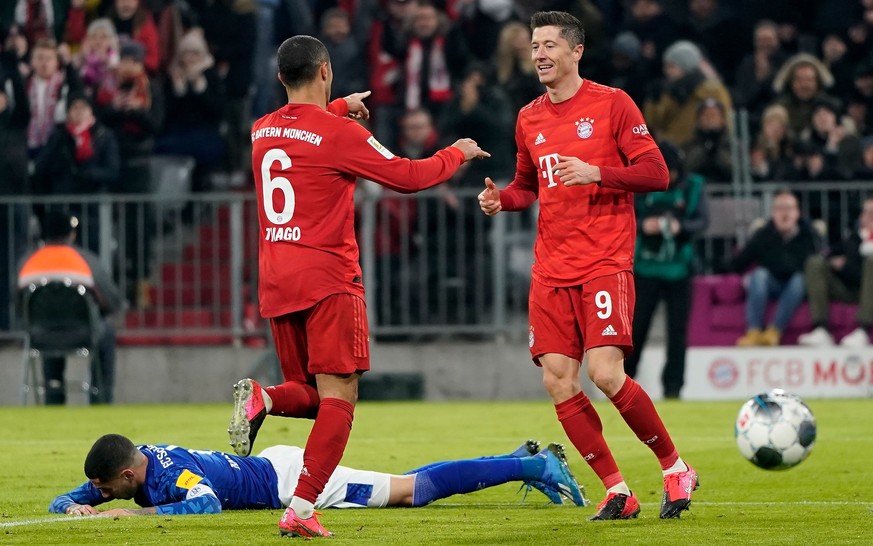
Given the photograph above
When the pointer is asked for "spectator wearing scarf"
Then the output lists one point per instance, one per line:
(99, 54)
(435, 57)
(47, 89)
(80, 157)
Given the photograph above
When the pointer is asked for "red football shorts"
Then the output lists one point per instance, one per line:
(331, 337)
(571, 320)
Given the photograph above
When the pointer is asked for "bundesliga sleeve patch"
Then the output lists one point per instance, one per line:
(199, 491)
(187, 480)
(386, 153)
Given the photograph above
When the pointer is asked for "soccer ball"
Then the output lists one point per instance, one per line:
(775, 430)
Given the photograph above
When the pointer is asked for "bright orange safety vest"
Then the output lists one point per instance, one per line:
(56, 263)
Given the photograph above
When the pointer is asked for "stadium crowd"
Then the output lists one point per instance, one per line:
(90, 89)
(187, 77)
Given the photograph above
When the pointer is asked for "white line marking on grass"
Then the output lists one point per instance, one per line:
(41, 521)
(503, 504)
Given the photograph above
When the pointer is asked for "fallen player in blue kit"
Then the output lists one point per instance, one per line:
(168, 479)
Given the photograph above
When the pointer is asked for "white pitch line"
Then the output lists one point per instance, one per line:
(493, 504)
(40, 521)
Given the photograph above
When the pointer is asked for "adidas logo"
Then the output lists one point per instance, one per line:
(540, 139)
(609, 331)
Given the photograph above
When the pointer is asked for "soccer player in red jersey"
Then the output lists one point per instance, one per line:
(583, 149)
(306, 157)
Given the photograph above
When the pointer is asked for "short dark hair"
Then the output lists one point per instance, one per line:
(78, 96)
(299, 59)
(58, 224)
(571, 28)
(109, 455)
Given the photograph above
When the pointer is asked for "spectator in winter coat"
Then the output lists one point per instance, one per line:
(779, 251)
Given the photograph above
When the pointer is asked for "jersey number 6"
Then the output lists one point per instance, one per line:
(279, 183)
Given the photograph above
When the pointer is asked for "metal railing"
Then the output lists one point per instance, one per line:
(184, 266)
(188, 267)
(433, 264)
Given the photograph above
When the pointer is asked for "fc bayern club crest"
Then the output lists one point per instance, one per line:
(584, 128)
(530, 337)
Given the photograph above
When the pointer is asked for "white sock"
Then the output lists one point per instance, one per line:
(303, 508)
(678, 466)
(268, 402)
(620, 487)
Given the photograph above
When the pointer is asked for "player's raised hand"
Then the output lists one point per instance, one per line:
(357, 110)
(471, 149)
(572, 171)
(489, 199)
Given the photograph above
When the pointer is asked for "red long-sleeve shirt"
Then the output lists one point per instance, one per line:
(586, 231)
(306, 161)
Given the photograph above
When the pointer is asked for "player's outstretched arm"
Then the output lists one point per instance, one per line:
(202, 504)
(359, 153)
(78, 502)
(129, 511)
(489, 199)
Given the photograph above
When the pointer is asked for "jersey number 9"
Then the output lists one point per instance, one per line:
(604, 303)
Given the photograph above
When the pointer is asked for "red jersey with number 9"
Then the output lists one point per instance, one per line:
(587, 231)
(306, 161)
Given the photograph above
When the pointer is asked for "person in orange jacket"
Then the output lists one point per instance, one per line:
(60, 259)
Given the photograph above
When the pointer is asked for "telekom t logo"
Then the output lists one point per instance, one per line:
(546, 164)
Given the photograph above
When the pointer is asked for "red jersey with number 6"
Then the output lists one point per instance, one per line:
(305, 162)
(587, 231)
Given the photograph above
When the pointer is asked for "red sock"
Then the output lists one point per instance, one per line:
(294, 399)
(585, 431)
(325, 447)
(638, 411)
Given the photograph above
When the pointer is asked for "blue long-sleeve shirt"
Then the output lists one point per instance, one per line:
(185, 481)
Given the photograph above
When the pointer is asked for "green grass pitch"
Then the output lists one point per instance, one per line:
(826, 500)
